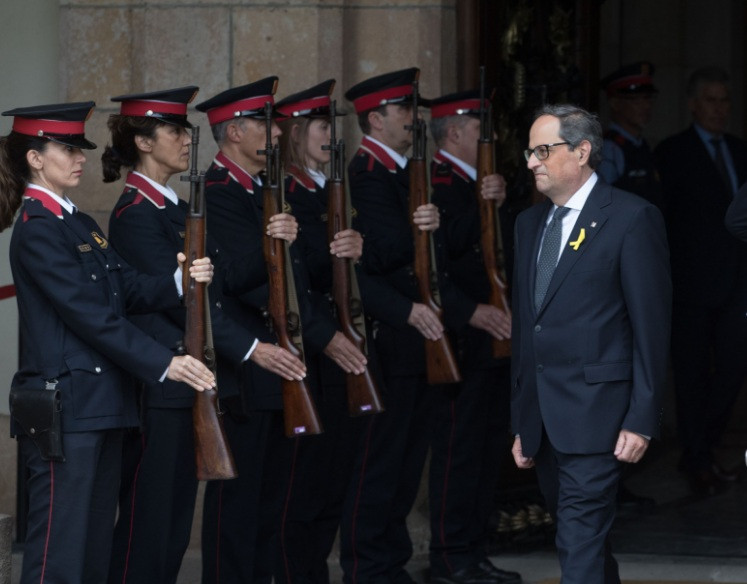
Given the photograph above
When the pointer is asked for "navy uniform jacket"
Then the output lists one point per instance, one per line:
(148, 230)
(709, 266)
(235, 222)
(73, 293)
(454, 194)
(593, 360)
(309, 204)
(379, 191)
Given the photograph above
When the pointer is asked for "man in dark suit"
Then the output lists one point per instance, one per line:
(590, 336)
(701, 169)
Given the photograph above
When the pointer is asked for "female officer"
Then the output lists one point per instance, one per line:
(73, 291)
(147, 226)
(321, 465)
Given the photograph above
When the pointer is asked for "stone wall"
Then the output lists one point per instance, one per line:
(112, 47)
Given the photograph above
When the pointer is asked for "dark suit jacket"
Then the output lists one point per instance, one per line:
(709, 266)
(148, 230)
(73, 293)
(593, 360)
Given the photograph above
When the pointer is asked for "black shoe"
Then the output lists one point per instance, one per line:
(502, 576)
(478, 575)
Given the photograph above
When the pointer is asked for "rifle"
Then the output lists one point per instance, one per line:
(213, 458)
(298, 408)
(363, 395)
(441, 366)
(491, 240)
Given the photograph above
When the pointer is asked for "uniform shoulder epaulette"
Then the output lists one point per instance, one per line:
(442, 174)
(129, 198)
(217, 175)
(299, 177)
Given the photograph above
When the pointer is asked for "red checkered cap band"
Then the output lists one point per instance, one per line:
(304, 106)
(455, 108)
(234, 109)
(149, 108)
(33, 127)
(629, 81)
(379, 98)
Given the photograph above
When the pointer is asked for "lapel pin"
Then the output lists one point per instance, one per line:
(581, 236)
(593, 223)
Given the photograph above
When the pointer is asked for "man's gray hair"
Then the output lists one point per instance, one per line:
(576, 125)
(219, 130)
(439, 127)
(704, 76)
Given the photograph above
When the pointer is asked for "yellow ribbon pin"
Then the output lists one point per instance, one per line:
(579, 241)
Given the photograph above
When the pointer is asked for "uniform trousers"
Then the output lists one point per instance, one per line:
(709, 366)
(469, 439)
(581, 495)
(240, 516)
(317, 483)
(72, 509)
(157, 499)
(375, 544)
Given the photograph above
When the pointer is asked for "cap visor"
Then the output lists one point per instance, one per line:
(74, 141)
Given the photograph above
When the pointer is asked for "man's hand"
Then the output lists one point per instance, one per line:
(347, 244)
(343, 352)
(279, 361)
(519, 458)
(630, 446)
(493, 320)
(426, 217)
(201, 269)
(192, 372)
(283, 226)
(493, 187)
(426, 321)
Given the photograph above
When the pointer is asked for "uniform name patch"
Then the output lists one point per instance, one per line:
(84, 247)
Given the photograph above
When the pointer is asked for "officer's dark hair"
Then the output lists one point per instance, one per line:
(703, 76)
(440, 126)
(15, 172)
(294, 152)
(363, 122)
(123, 150)
(576, 125)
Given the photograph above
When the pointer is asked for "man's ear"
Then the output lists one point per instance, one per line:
(143, 143)
(453, 134)
(233, 132)
(375, 120)
(584, 151)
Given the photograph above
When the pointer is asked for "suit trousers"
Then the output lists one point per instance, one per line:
(72, 507)
(375, 544)
(709, 366)
(470, 435)
(157, 501)
(581, 494)
(240, 516)
(316, 486)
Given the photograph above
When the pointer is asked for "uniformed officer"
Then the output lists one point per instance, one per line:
(627, 161)
(374, 541)
(73, 293)
(471, 419)
(150, 137)
(241, 517)
(322, 466)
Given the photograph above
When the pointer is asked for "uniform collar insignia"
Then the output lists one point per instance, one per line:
(302, 178)
(235, 171)
(146, 189)
(372, 148)
(439, 158)
(45, 199)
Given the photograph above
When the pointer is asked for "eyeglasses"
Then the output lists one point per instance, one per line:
(542, 151)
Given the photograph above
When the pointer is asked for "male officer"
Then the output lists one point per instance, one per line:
(627, 162)
(374, 542)
(242, 516)
(471, 419)
(591, 306)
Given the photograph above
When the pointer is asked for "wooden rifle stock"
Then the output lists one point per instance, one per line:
(491, 240)
(362, 392)
(213, 457)
(441, 365)
(299, 412)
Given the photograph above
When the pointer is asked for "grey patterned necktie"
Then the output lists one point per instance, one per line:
(548, 256)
